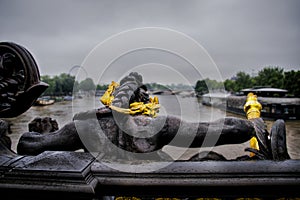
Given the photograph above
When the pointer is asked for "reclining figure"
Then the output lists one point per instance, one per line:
(117, 128)
(136, 133)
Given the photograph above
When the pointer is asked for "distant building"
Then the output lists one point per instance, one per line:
(265, 92)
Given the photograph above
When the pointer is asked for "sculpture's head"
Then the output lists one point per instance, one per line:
(130, 97)
(131, 90)
(20, 83)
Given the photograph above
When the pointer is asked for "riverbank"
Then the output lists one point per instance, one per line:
(286, 108)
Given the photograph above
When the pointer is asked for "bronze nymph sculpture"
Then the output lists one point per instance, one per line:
(21, 86)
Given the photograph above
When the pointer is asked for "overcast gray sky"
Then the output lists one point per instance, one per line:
(239, 35)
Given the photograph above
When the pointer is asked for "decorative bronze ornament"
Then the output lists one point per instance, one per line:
(20, 83)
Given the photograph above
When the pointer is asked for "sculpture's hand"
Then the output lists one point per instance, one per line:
(66, 138)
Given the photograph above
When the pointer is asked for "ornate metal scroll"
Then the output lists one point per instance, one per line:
(20, 83)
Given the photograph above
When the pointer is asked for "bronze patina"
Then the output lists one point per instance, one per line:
(20, 83)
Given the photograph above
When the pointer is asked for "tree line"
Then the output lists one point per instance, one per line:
(158, 86)
(274, 77)
(65, 84)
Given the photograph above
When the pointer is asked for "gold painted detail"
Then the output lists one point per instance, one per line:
(151, 109)
(252, 108)
(107, 97)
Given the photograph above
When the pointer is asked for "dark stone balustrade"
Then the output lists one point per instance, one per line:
(78, 175)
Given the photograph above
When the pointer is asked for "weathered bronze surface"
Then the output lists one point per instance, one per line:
(20, 83)
(144, 134)
(134, 133)
(43, 125)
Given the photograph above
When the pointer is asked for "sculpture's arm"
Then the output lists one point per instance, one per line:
(223, 131)
(64, 139)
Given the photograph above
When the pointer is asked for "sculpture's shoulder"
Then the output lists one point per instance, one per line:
(95, 113)
(103, 111)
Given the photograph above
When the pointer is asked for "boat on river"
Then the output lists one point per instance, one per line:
(44, 101)
(275, 102)
(68, 98)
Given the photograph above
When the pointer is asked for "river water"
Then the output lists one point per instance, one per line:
(188, 108)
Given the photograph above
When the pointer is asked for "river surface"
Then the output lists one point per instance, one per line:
(188, 108)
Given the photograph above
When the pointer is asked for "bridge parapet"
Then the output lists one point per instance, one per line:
(78, 175)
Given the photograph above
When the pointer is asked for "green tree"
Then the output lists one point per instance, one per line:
(102, 87)
(87, 85)
(243, 81)
(270, 76)
(59, 85)
(201, 87)
(206, 85)
(67, 83)
(76, 86)
(213, 84)
(292, 82)
(51, 88)
(230, 85)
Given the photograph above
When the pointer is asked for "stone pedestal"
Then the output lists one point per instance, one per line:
(48, 175)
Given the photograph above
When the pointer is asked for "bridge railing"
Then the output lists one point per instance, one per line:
(78, 175)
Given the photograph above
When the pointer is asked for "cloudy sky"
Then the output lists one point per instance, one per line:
(239, 35)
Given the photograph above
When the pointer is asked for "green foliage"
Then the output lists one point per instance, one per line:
(76, 87)
(206, 85)
(201, 87)
(102, 87)
(292, 82)
(65, 84)
(50, 81)
(230, 85)
(59, 85)
(87, 85)
(268, 76)
(242, 81)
